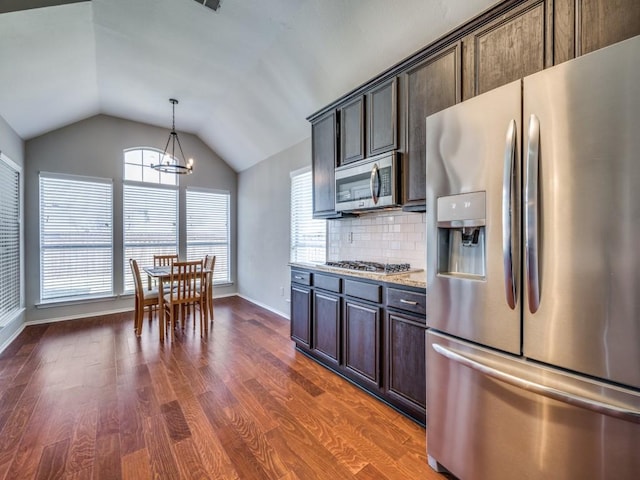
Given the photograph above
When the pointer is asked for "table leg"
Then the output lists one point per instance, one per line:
(161, 307)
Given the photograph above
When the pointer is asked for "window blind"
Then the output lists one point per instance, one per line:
(150, 226)
(10, 300)
(308, 235)
(76, 237)
(208, 230)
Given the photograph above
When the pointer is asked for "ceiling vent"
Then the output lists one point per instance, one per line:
(212, 4)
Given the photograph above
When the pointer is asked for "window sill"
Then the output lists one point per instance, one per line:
(79, 301)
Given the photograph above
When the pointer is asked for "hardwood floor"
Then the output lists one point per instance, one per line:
(86, 399)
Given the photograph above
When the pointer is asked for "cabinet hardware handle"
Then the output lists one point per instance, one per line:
(297, 277)
(408, 302)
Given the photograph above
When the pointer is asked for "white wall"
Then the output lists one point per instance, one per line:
(264, 211)
(94, 147)
(13, 147)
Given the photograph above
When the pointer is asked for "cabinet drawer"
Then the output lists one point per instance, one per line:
(302, 278)
(414, 302)
(327, 282)
(366, 291)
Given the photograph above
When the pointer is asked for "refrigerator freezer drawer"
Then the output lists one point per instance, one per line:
(497, 416)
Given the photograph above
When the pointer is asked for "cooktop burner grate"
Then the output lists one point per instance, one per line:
(370, 266)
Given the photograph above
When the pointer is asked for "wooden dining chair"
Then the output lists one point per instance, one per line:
(188, 289)
(143, 298)
(164, 260)
(209, 266)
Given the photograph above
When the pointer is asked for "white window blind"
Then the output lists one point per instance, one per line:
(150, 225)
(208, 230)
(10, 301)
(308, 235)
(76, 237)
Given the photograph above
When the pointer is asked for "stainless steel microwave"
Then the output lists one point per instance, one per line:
(368, 184)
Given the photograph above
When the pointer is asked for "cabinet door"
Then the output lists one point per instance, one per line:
(431, 86)
(515, 45)
(362, 341)
(352, 131)
(405, 363)
(382, 118)
(301, 315)
(326, 325)
(323, 164)
(603, 22)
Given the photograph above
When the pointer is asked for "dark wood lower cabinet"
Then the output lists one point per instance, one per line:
(372, 333)
(326, 327)
(362, 341)
(405, 372)
(301, 315)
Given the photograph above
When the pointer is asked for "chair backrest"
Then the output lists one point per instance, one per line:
(186, 280)
(209, 265)
(209, 262)
(137, 280)
(164, 260)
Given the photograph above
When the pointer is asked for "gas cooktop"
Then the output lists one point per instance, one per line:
(373, 267)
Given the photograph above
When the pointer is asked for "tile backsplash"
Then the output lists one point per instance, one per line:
(390, 236)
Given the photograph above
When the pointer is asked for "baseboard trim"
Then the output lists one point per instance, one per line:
(12, 338)
(262, 305)
(78, 316)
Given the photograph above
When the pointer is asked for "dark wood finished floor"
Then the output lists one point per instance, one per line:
(86, 399)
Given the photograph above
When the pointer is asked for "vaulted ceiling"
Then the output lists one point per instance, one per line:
(246, 75)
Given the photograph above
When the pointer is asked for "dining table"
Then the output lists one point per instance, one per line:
(163, 275)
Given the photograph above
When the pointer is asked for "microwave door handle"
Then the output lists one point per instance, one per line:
(531, 215)
(508, 214)
(374, 183)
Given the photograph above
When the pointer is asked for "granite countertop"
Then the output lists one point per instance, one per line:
(411, 279)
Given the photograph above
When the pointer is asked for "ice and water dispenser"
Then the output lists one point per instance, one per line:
(461, 223)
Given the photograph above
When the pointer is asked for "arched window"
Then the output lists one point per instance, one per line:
(137, 167)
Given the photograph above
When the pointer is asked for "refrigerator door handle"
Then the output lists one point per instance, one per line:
(531, 215)
(507, 214)
(628, 414)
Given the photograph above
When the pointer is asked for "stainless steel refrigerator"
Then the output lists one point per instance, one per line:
(533, 275)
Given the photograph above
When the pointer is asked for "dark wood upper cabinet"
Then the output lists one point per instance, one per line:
(323, 164)
(352, 131)
(515, 45)
(603, 22)
(512, 40)
(431, 86)
(382, 118)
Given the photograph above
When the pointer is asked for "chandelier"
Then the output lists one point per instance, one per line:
(169, 162)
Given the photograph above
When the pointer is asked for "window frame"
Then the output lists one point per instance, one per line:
(126, 272)
(294, 246)
(14, 313)
(195, 190)
(74, 298)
